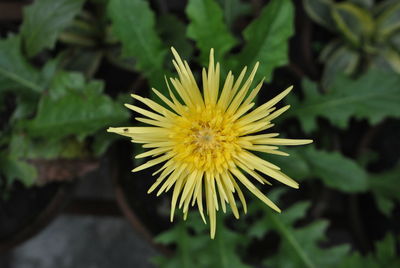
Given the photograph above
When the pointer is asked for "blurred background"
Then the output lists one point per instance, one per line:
(67, 196)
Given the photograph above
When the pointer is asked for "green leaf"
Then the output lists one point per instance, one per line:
(384, 256)
(320, 12)
(267, 39)
(311, 163)
(299, 247)
(363, 3)
(389, 21)
(233, 9)
(15, 72)
(208, 29)
(393, 58)
(134, 24)
(373, 96)
(194, 248)
(355, 23)
(17, 169)
(75, 107)
(386, 189)
(341, 60)
(349, 177)
(43, 22)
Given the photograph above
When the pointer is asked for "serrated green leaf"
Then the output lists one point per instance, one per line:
(311, 163)
(134, 24)
(299, 247)
(320, 12)
(373, 96)
(197, 249)
(288, 216)
(44, 20)
(208, 29)
(15, 72)
(349, 177)
(74, 107)
(267, 39)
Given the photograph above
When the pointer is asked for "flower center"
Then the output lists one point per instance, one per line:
(205, 140)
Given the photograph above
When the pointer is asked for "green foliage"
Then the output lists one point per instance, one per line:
(173, 37)
(197, 249)
(373, 96)
(234, 9)
(76, 107)
(384, 256)
(299, 246)
(386, 189)
(267, 39)
(208, 29)
(54, 109)
(13, 168)
(44, 20)
(140, 40)
(309, 163)
(366, 30)
(15, 71)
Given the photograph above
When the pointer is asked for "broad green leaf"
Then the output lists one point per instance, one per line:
(208, 29)
(43, 22)
(373, 96)
(267, 39)
(386, 189)
(75, 107)
(355, 23)
(320, 12)
(308, 163)
(336, 170)
(23, 146)
(134, 24)
(15, 72)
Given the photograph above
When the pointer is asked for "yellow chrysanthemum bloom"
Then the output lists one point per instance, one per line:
(206, 140)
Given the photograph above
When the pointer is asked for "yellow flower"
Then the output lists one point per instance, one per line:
(206, 139)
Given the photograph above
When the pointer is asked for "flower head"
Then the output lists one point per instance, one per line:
(206, 139)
